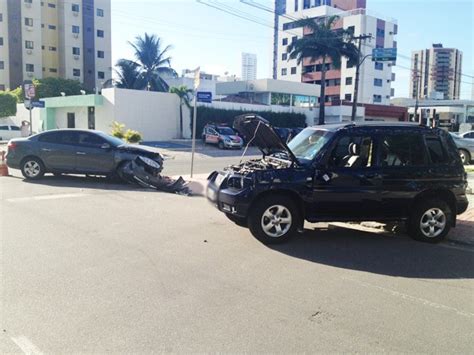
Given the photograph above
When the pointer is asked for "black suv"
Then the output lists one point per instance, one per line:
(345, 172)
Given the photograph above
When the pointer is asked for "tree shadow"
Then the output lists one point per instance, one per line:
(380, 254)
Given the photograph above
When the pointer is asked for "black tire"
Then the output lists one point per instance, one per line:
(221, 145)
(240, 221)
(32, 168)
(465, 156)
(427, 213)
(271, 204)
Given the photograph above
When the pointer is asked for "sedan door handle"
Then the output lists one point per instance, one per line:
(80, 153)
(45, 150)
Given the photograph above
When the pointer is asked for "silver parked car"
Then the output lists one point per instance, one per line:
(465, 148)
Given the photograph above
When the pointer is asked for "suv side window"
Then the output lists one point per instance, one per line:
(353, 152)
(435, 149)
(402, 150)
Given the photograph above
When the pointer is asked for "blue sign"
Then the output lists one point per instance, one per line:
(384, 54)
(39, 104)
(204, 96)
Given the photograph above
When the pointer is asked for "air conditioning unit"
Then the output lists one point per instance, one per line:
(29, 28)
(29, 51)
(76, 57)
(27, 4)
(75, 13)
(75, 35)
(30, 74)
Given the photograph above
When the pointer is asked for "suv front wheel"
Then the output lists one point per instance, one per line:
(430, 221)
(274, 219)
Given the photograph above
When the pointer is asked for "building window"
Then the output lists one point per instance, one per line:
(76, 72)
(349, 80)
(351, 30)
(2, 65)
(296, 5)
(29, 45)
(378, 82)
(75, 29)
(284, 56)
(28, 1)
(100, 33)
(294, 39)
(348, 97)
(28, 21)
(52, 27)
(1, 17)
(283, 71)
(349, 64)
(284, 41)
(53, 70)
(76, 51)
(53, 6)
(378, 66)
(380, 32)
(1, 41)
(52, 49)
(293, 70)
(75, 7)
(2, 87)
(30, 68)
(100, 12)
(100, 54)
(101, 75)
(377, 98)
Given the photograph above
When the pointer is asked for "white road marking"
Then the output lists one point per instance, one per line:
(27, 346)
(45, 197)
(404, 296)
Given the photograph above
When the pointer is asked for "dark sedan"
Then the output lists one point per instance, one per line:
(71, 151)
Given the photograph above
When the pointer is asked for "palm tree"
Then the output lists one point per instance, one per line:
(183, 94)
(326, 44)
(150, 65)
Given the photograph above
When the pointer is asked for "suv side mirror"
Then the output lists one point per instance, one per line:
(105, 146)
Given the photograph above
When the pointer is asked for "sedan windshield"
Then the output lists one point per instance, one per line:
(114, 141)
(225, 131)
(307, 144)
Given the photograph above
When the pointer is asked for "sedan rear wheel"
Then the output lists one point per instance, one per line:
(32, 168)
(465, 156)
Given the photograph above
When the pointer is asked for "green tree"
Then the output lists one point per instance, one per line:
(183, 94)
(324, 43)
(7, 104)
(151, 64)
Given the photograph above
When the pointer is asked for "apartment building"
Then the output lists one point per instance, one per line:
(249, 66)
(436, 71)
(375, 77)
(55, 38)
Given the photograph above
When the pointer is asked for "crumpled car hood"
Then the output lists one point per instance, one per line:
(259, 131)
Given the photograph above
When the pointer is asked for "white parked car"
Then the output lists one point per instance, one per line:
(468, 135)
(9, 131)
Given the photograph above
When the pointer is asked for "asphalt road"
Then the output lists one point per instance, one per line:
(92, 267)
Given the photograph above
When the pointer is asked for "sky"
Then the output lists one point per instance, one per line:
(214, 40)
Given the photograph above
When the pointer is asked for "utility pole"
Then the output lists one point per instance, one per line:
(417, 77)
(359, 63)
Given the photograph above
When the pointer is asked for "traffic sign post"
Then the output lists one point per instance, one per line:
(29, 92)
(384, 54)
(204, 96)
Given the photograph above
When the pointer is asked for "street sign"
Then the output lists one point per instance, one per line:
(29, 89)
(384, 54)
(27, 104)
(204, 96)
(39, 104)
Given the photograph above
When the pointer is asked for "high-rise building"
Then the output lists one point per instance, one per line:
(375, 77)
(55, 38)
(249, 66)
(436, 72)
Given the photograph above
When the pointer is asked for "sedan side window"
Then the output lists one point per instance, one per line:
(90, 140)
(4, 128)
(50, 138)
(353, 152)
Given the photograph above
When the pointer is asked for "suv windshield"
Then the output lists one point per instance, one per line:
(225, 131)
(309, 142)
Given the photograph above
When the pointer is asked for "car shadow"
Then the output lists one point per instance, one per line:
(86, 182)
(382, 254)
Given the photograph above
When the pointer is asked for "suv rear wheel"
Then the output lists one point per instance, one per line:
(430, 221)
(274, 219)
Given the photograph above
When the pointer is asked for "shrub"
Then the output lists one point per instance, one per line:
(7, 104)
(278, 119)
(118, 130)
(132, 136)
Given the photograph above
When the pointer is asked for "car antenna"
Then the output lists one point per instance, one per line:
(250, 141)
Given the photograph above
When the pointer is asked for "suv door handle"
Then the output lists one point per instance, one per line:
(45, 150)
(80, 153)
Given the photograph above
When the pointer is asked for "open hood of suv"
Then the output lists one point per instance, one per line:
(259, 131)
